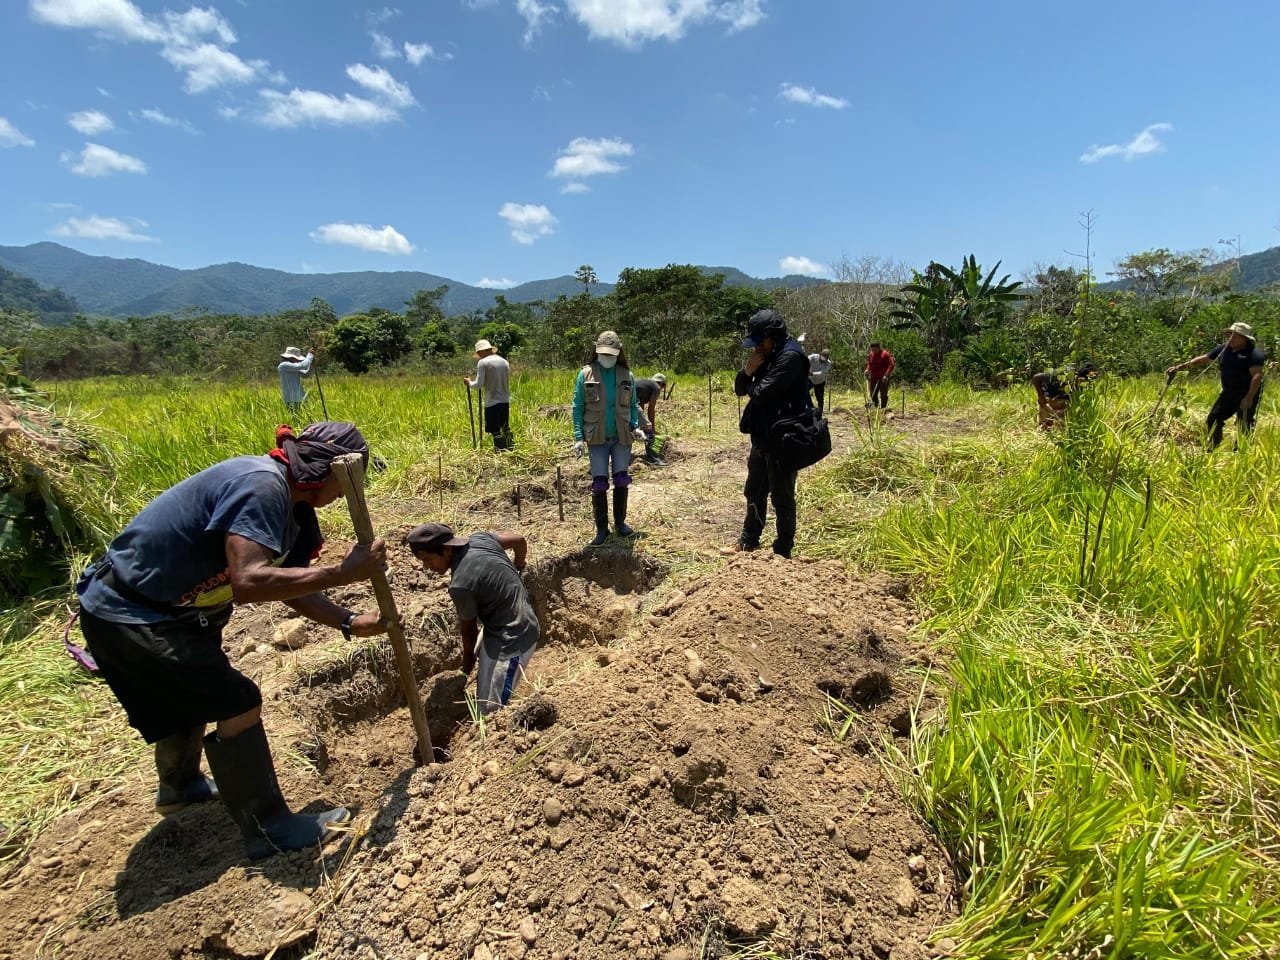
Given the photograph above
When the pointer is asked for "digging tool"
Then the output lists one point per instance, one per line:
(350, 472)
(315, 370)
(1151, 417)
(471, 415)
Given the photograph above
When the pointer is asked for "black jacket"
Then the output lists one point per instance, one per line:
(780, 388)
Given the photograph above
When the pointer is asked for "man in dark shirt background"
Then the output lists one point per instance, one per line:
(1240, 362)
(648, 391)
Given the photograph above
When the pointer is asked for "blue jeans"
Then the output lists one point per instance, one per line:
(601, 456)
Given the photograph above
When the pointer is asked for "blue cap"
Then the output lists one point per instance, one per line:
(764, 323)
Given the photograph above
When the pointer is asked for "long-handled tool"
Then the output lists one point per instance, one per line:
(471, 415)
(1151, 417)
(315, 370)
(350, 471)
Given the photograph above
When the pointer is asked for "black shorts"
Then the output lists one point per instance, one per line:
(169, 676)
(497, 417)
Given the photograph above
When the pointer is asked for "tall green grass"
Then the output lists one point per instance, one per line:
(1106, 771)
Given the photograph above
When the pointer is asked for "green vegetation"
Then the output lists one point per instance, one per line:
(21, 295)
(1106, 769)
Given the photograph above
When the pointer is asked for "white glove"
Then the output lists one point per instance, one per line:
(639, 434)
(579, 447)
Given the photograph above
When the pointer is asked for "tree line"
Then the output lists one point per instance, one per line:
(966, 323)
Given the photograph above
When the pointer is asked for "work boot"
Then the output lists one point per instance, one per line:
(178, 768)
(620, 512)
(247, 780)
(600, 508)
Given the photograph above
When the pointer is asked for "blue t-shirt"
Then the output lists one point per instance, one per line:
(174, 552)
(1234, 366)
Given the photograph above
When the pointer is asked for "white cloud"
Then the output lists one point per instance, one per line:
(585, 157)
(383, 46)
(99, 161)
(1143, 143)
(801, 265)
(381, 84)
(102, 228)
(298, 107)
(106, 93)
(362, 235)
(741, 14)
(529, 222)
(11, 136)
(631, 22)
(575, 186)
(114, 18)
(534, 14)
(415, 53)
(501, 284)
(810, 97)
(161, 118)
(90, 122)
(182, 37)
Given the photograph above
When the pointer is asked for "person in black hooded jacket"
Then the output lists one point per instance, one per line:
(775, 378)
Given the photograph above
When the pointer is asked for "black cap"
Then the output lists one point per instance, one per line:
(764, 323)
(432, 538)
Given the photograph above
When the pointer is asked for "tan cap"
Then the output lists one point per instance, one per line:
(1243, 329)
(484, 346)
(609, 342)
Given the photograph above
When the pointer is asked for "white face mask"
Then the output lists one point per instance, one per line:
(606, 360)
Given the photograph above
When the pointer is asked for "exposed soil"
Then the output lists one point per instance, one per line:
(674, 776)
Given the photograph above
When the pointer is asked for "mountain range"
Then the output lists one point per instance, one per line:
(113, 287)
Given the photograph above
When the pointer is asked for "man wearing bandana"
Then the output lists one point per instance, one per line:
(153, 608)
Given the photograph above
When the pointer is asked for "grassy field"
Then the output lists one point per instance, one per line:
(1106, 772)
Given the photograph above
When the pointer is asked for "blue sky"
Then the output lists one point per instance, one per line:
(510, 140)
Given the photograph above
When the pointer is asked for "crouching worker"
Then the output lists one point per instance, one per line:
(154, 606)
(1054, 388)
(606, 418)
(488, 593)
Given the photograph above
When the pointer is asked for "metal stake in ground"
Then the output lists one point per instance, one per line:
(471, 415)
(350, 472)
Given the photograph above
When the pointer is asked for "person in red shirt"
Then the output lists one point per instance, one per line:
(879, 367)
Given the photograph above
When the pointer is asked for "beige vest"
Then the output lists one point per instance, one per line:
(593, 413)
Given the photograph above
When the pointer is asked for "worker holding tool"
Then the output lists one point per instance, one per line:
(154, 606)
(1054, 388)
(492, 376)
(648, 392)
(606, 418)
(293, 367)
(819, 370)
(488, 594)
(1240, 363)
(879, 369)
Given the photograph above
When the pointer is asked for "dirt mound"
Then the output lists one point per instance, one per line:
(676, 776)
(682, 792)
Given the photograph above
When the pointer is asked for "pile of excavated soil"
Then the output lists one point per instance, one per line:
(666, 783)
(675, 795)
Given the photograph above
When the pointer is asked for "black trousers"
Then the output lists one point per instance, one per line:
(497, 421)
(879, 392)
(1224, 408)
(766, 480)
(819, 394)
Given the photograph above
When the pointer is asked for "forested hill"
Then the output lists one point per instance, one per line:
(112, 287)
(24, 295)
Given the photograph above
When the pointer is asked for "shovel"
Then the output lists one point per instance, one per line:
(350, 472)
(471, 415)
(315, 371)
(1160, 399)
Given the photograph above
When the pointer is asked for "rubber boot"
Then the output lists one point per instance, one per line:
(178, 768)
(600, 508)
(620, 512)
(247, 782)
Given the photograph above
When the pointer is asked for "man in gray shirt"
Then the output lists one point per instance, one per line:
(487, 592)
(492, 375)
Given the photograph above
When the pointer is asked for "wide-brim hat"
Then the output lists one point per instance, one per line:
(1243, 329)
(659, 378)
(484, 346)
(292, 353)
(609, 343)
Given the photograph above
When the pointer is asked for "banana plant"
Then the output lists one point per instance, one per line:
(948, 306)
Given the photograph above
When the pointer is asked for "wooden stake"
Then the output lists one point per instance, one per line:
(440, 476)
(518, 517)
(708, 401)
(904, 401)
(560, 493)
(349, 469)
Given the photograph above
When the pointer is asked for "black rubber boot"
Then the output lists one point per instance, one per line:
(620, 512)
(600, 508)
(178, 768)
(247, 780)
